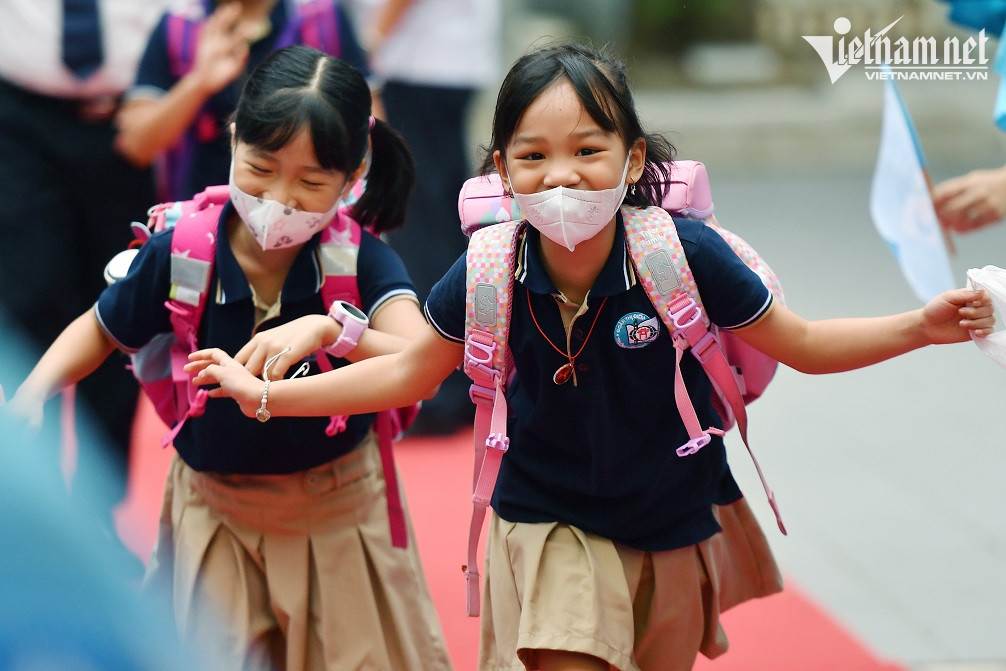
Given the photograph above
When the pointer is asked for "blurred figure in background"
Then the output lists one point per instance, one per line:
(68, 599)
(67, 196)
(971, 201)
(978, 198)
(195, 64)
(432, 58)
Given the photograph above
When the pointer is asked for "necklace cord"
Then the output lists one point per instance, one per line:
(566, 354)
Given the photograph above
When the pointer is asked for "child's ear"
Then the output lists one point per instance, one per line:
(355, 176)
(637, 160)
(501, 169)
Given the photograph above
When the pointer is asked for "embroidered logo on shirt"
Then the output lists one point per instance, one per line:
(636, 330)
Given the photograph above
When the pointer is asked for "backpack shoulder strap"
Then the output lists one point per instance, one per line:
(491, 259)
(193, 247)
(319, 24)
(663, 270)
(339, 250)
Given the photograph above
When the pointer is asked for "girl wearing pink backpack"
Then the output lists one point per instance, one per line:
(607, 548)
(274, 538)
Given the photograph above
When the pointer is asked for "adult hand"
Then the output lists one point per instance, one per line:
(971, 201)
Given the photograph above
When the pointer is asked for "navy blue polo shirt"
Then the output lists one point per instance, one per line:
(222, 440)
(601, 455)
(210, 160)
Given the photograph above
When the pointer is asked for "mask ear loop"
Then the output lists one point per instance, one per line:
(371, 121)
(507, 190)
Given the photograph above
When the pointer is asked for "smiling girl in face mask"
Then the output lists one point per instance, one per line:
(277, 527)
(604, 548)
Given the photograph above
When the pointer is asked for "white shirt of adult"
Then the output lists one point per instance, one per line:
(438, 42)
(31, 46)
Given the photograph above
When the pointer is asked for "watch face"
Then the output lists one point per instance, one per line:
(354, 311)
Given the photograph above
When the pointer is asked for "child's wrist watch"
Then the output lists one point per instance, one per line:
(354, 322)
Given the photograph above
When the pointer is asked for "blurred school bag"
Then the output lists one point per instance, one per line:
(158, 366)
(314, 22)
(739, 372)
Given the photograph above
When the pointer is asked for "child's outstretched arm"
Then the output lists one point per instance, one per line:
(835, 345)
(75, 354)
(388, 381)
(393, 327)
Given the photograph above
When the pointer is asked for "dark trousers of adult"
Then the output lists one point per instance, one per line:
(432, 119)
(66, 202)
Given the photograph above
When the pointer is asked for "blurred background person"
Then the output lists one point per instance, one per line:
(971, 201)
(978, 198)
(68, 597)
(67, 196)
(432, 58)
(191, 75)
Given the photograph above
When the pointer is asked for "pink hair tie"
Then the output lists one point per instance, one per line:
(372, 121)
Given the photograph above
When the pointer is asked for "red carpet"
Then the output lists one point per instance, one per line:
(786, 632)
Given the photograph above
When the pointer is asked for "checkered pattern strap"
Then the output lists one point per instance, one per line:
(663, 270)
(491, 259)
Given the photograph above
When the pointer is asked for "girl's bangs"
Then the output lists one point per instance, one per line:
(285, 114)
(272, 124)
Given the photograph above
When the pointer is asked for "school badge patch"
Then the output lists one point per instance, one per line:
(636, 330)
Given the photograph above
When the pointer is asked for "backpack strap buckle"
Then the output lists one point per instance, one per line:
(697, 443)
(498, 442)
(684, 312)
(686, 317)
(706, 347)
(480, 347)
(479, 394)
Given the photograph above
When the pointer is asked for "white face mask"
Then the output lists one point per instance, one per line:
(274, 224)
(570, 216)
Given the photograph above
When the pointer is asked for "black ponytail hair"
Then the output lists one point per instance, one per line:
(602, 85)
(390, 178)
(297, 87)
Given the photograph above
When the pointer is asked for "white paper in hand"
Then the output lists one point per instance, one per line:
(993, 280)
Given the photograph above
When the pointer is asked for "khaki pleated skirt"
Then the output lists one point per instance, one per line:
(554, 587)
(295, 572)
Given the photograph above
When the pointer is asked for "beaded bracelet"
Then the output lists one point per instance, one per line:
(263, 414)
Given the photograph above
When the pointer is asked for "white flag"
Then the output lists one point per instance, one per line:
(901, 205)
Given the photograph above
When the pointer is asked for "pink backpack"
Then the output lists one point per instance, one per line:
(739, 372)
(158, 365)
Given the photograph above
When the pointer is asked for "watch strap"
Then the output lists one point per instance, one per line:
(349, 336)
